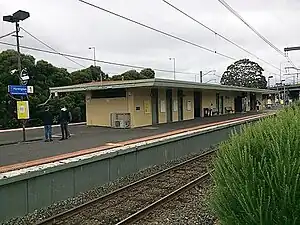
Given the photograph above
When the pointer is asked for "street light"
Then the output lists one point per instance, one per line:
(16, 18)
(94, 49)
(94, 55)
(174, 65)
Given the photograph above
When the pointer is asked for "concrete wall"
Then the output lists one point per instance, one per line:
(36, 189)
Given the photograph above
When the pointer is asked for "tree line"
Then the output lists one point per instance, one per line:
(44, 75)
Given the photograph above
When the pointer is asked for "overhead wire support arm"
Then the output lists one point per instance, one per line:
(157, 30)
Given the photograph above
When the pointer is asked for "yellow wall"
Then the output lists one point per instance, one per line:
(162, 116)
(188, 96)
(140, 117)
(99, 110)
(208, 97)
(175, 100)
(228, 99)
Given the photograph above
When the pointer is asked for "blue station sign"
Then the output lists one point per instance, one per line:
(17, 89)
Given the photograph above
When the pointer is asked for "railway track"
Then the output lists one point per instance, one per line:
(130, 203)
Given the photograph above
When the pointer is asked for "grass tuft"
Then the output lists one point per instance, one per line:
(257, 173)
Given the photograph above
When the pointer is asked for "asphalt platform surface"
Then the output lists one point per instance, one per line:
(84, 137)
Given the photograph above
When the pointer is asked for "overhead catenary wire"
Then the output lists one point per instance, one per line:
(100, 61)
(158, 31)
(228, 7)
(48, 46)
(6, 35)
(220, 35)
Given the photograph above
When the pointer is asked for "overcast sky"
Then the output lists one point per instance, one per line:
(72, 27)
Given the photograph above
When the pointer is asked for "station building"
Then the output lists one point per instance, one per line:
(137, 103)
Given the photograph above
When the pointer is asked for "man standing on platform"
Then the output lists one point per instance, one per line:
(64, 119)
(48, 119)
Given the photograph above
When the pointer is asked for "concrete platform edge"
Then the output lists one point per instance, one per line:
(62, 165)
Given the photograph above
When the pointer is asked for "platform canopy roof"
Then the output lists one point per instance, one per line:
(148, 83)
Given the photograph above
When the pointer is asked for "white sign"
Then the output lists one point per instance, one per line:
(29, 89)
(189, 105)
(175, 105)
(162, 106)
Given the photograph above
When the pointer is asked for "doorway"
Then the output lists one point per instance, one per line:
(154, 104)
(218, 103)
(180, 104)
(169, 106)
(222, 104)
(238, 104)
(197, 104)
(252, 102)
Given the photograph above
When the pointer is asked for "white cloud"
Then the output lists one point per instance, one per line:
(71, 27)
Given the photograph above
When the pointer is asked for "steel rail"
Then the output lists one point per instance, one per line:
(145, 211)
(73, 211)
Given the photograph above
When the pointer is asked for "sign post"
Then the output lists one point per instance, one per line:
(22, 106)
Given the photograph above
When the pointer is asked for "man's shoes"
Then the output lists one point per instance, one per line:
(46, 140)
(51, 140)
(61, 139)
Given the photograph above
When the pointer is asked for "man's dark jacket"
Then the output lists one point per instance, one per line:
(47, 118)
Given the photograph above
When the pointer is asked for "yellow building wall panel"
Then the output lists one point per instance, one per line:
(208, 98)
(229, 99)
(188, 105)
(162, 116)
(99, 110)
(175, 105)
(141, 99)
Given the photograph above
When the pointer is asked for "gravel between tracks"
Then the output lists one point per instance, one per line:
(62, 206)
(190, 208)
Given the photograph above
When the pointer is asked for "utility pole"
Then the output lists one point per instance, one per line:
(20, 75)
(94, 50)
(201, 76)
(16, 18)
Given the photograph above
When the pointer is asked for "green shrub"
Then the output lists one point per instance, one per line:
(257, 173)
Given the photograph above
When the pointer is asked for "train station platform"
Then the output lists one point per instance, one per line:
(85, 138)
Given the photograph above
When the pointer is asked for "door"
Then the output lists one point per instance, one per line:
(222, 105)
(238, 104)
(180, 105)
(169, 106)
(154, 104)
(197, 104)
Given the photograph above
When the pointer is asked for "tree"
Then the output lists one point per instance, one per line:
(134, 75)
(244, 73)
(88, 75)
(147, 73)
(44, 75)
